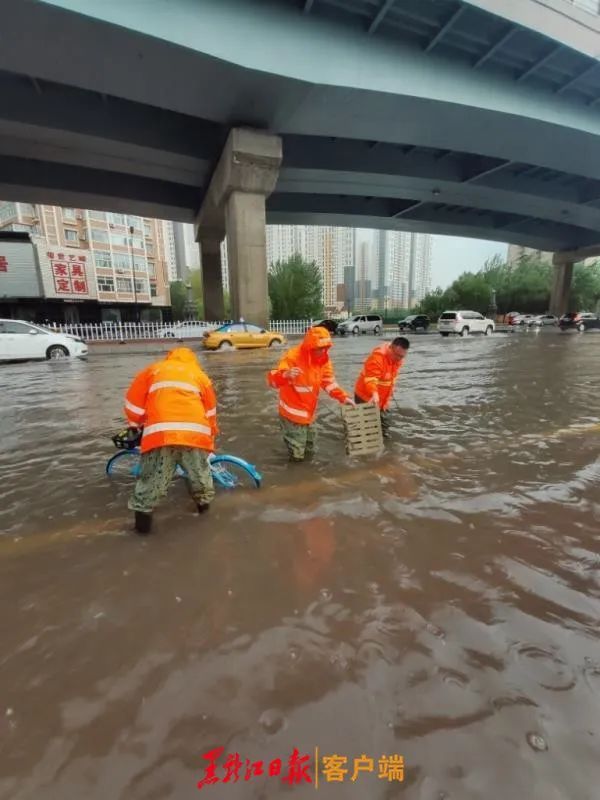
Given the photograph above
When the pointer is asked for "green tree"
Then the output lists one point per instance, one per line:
(524, 286)
(178, 298)
(585, 289)
(295, 289)
(197, 295)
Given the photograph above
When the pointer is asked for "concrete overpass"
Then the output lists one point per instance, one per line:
(477, 118)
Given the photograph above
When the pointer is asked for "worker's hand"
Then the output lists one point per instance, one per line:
(349, 402)
(375, 399)
(293, 372)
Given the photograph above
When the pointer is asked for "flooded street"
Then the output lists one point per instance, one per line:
(440, 602)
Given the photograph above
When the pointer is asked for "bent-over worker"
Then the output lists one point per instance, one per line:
(376, 381)
(174, 401)
(301, 374)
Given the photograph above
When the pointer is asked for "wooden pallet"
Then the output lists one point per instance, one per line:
(362, 425)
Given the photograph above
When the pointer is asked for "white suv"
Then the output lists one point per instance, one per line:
(362, 323)
(462, 323)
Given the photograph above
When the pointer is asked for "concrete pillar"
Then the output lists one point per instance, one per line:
(212, 279)
(561, 288)
(247, 255)
(244, 177)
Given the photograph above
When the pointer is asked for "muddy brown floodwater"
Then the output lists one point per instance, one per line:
(440, 602)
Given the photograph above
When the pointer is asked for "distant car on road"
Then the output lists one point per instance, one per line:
(579, 321)
(362, 323)
(512, 316)
(414, 322)
(462, 323)
(241, 335)
(542, 320)
(522, 320)
(187, 330)
(21, 341)
(329, 324)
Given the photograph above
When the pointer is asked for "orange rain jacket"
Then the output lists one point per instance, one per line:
(378, 374)
(175, 402)
(298, 397)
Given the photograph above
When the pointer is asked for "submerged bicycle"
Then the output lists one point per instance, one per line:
(228, 471)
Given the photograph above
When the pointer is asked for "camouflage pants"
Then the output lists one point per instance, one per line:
(299, 439)
(158, 469)
(384, 416)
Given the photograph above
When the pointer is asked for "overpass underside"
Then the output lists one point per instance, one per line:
(436, 117)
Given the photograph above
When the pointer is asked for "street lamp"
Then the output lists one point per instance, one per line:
(135, 302)
(493, 306)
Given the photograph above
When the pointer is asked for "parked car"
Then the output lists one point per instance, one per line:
(414, 322)
(542, 320)
(522, 320)
(512, 316)
(579, 320)
(21, 341)
(462, 323)
(362, 323)
(329, 324)
(187, 330)
(241, 335)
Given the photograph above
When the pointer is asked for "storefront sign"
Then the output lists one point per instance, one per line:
(69, 273)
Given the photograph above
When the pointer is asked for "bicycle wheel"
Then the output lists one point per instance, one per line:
(125, 463)
(232, 472)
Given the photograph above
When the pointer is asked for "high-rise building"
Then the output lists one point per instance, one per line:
(186, 248)
(420, 268)
(399, 266)
(360, 268)
(92, 256)
(349, 286)
(516, 252)
(170, 252)
(331, 248)
(392, 255)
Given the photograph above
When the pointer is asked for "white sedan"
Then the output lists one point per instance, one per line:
(188, 330)
(21, 341)
(541, 320)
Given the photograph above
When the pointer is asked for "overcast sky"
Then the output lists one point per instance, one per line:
(450, 256)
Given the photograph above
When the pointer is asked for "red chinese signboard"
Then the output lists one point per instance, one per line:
(3, 264)
(69, 274)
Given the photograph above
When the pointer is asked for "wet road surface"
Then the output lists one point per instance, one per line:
(440, 602)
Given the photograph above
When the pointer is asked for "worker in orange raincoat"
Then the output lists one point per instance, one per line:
(301, 374)
(173, 400)
(376, 381)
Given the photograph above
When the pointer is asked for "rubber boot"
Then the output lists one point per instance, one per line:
(143, 522)
(202, 507)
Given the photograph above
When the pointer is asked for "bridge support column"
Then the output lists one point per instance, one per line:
(247, 255)
(212, 277)
(243, 179)
(561, 287)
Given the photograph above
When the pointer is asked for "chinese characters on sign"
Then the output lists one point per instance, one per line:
(299, 768)
(3, 264)
(69, 274)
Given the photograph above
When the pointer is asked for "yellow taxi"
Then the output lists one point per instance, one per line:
(241, 335)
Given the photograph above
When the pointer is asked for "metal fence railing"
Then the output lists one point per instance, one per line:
(136, 331)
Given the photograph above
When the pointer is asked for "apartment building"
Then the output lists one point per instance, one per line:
(331, 248)
(94, 265)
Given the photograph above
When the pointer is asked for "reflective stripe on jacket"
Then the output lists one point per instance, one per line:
(175, 402)
(298, 397)
(378, 374)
